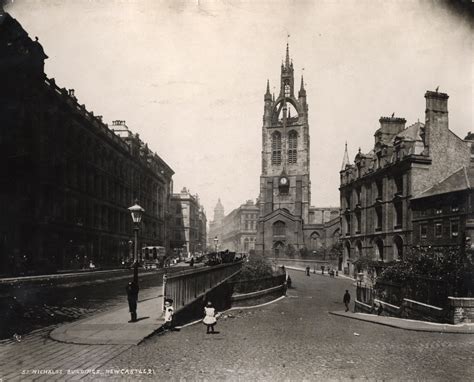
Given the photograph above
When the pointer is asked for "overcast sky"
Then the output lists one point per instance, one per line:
(189, 76)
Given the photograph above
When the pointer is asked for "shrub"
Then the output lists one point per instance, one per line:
(257, 267)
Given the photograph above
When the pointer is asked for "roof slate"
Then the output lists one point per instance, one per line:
(461, 179)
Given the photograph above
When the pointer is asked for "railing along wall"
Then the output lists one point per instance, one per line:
(186, 286)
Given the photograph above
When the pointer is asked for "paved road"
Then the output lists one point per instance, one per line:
(294, 339)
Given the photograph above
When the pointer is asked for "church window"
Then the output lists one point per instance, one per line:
(287, 89)
(279, 228)
(276, 148)
(292, 147)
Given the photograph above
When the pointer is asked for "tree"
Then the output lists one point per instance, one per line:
(446, 265)
(290, 251)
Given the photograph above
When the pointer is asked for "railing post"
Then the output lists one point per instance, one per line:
(164, 292)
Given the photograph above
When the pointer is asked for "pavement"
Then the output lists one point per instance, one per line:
(401, 323)
(112, 327)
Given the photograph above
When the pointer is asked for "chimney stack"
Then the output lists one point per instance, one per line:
(390, 127)
(436, 116)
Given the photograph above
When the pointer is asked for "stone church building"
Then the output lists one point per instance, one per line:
(286, 217)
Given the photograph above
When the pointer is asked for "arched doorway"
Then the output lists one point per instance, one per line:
(397, 248)
(278, 248)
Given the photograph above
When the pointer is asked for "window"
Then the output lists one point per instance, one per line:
(279, 228)
(454, 229)
(292, 147)
(399, 185)
(378, 212)
(358, 222)
(379, 186)
(358, 194)
(438, 229)
(423, 231)
(276, 148)
(398, 215)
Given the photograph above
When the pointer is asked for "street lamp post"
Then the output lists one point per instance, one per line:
(137, 212)
(216, 241)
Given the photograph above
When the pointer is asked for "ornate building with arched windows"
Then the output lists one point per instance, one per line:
(286, 218)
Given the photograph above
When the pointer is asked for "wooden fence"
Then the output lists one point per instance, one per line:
(186, 286)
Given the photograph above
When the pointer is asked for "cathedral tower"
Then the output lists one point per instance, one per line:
(285, 185)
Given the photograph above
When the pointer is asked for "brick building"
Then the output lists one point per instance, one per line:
(287, 221)
(66, 178)
(376, 191)
(443, 215)
(188, 224)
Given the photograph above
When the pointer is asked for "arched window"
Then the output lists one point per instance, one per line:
(379, 255)
(315, 241)
(292, 147)
(397, 248)
(279, 228)
(276, 148)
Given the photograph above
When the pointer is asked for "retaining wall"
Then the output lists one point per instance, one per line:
(461, 310)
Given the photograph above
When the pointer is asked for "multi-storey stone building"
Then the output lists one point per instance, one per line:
(286, 218)
(188, 224)
(66, 178)
(239, 228)
(376, 191)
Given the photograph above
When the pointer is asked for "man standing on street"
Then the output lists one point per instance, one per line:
(132, 297)
(347, 300)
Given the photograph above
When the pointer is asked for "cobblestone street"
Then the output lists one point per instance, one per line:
(296, 339)
(293, 339)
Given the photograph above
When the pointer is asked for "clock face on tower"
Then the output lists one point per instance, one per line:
(284, 181)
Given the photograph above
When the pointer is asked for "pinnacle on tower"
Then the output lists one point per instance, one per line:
(345, 160)
(287, 61)
(268, 95)
(302, 92)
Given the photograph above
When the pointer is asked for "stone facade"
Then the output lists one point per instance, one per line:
(236, 231)
(188, 224)
(286, 219)
(376, 191)
(66, 178)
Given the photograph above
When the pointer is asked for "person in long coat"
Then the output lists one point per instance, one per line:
(132, 297)
(346, 299)
(210, 317)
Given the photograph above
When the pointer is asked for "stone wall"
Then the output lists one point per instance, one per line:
(461, 310)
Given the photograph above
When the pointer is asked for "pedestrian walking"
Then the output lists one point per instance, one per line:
(210, 317)
(169, 312)
(132, 297)
(307, 270)
(347, 300)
